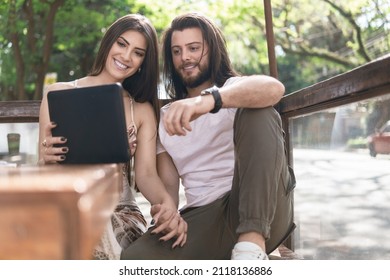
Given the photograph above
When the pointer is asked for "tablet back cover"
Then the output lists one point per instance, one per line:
(93, 121)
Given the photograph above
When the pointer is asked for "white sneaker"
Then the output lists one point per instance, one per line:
(248, 251)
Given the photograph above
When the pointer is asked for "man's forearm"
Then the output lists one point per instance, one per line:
(257, 91)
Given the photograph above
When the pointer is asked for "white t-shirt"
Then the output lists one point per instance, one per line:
(204, 158)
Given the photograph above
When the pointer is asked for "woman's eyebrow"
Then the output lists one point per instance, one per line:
(141, 49)
(124, 40)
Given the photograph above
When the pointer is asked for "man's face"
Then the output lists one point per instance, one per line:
(190, 56)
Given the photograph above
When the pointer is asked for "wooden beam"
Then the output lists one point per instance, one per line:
(367, 81)
(19, 111)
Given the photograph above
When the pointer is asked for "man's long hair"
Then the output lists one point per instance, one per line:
(219, 63)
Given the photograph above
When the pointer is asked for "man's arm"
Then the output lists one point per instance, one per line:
(257, 91)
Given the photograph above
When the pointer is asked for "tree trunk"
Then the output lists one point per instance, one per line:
(47, 48)
(19, 64)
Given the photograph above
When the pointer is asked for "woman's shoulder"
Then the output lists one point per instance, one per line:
(59, 86)
(143, 112)
(142, 107)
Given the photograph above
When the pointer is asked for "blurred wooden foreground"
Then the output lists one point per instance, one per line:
(55, 212)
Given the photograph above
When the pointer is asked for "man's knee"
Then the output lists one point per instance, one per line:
(259, 118)
(258, 127)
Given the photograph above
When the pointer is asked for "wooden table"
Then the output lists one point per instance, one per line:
(55, 212)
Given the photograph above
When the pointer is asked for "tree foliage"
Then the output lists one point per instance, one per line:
(42, 36)
(329, 36)
(314, 39)
(29, 33)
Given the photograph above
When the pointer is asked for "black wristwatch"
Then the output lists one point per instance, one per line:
(214, 91)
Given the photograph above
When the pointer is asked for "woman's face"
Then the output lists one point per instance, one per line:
(126, 55)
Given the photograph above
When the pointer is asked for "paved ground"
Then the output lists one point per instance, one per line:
(342, 205)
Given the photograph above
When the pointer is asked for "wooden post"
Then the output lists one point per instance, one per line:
(274, 73)
(270, 39)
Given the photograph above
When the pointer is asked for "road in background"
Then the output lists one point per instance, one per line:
(342, 205)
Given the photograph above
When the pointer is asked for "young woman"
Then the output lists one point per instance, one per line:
(128, 54)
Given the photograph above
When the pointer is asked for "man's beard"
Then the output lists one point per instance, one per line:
(193, 82)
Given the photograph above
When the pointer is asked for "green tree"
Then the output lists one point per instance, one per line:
(42, 36)
(79, 29)
(29, 31)
(329, 36)
(314, 39)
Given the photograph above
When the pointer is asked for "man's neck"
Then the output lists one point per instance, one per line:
(193, 92)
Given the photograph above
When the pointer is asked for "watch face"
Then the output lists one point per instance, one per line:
(208, 90)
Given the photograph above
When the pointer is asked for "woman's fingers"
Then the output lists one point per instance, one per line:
(161, 214)
(52, 147)
(54, 154)
(175, 227)
(48, 129)
(162, 226)
(182, 233)
(170, 224)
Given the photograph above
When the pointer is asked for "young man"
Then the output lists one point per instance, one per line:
(223, 139)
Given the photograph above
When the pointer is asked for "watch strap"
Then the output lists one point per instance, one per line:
(218, 100)
(214, 91)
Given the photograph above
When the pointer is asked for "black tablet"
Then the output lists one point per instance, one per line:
(93, 121)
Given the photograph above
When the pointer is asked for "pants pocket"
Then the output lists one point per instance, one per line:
(292, 181)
